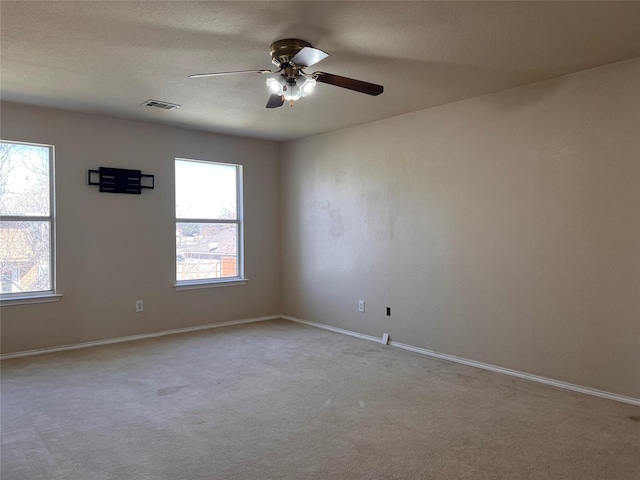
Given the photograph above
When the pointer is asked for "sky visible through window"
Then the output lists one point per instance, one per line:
(24, 180)
(205, 190)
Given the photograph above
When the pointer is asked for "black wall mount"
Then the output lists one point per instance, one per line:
(120, 180)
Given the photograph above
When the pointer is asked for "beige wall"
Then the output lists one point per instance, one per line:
(115, 249)
(503, 229)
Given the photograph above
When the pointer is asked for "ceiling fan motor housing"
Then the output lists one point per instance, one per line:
(282, 51)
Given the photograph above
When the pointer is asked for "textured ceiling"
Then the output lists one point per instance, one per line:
(108, 57)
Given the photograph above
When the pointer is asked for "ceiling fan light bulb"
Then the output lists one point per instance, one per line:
(274, 86)
(308, 87)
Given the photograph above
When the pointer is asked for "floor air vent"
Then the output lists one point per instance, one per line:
(160, 104)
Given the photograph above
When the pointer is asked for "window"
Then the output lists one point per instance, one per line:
(208, 222)
(27, 227)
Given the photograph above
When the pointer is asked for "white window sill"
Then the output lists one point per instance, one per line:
(28, 299)
(210, 284)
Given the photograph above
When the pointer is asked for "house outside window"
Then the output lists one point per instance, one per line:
(208, 197)
(27, 223)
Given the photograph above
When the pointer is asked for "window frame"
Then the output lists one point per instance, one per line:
(238, 279)
(39, 296)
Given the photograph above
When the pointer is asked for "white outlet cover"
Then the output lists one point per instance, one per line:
(361, 305)
(385, 339)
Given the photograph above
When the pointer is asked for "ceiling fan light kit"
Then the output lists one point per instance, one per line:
(290, 82)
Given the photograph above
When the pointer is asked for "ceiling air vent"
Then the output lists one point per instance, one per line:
(160, 104)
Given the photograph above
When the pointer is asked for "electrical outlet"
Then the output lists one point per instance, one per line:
(361, 306)
(385, 339)
(139, 305)
(388, 311)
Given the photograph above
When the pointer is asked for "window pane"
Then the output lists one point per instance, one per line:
(205, 190)
(24, 180)
(206, 250)
(25, 257)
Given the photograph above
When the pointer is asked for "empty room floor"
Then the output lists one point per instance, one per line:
(280, 400)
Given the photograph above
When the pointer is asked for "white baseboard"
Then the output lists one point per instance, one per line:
(473, 363)
(131, 338)
(332, 329)
(411, 348)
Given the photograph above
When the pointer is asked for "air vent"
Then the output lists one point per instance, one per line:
(160, 104)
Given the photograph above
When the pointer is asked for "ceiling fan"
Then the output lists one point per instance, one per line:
(290, 82)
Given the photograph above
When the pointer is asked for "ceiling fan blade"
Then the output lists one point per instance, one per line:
(275, 101)
(309, 56)
(350, 83)
(200, 75)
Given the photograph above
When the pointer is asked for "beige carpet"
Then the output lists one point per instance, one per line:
(278, 400)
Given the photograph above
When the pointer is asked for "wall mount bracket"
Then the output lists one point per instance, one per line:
(120, 180)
